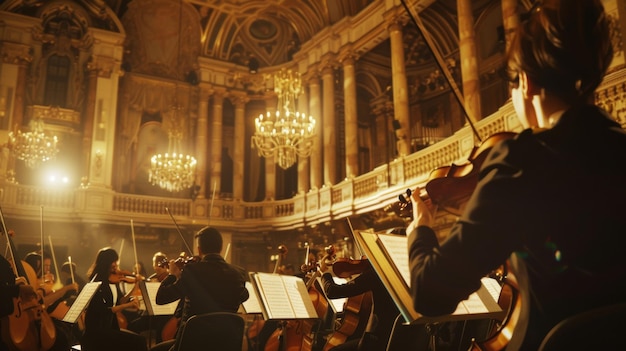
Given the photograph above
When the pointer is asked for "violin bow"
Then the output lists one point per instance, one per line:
(212, 200)
(42, 245)
(69, 259)
(132, 232)
(440, 62)
(6, 232)
(57, 281)
(179, 231)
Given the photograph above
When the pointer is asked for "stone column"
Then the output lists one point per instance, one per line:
(329, 128)
(202, 139)
(315, 109)
(303, 162)
(240, 142)
(351, 118)
(270, 162)
(15, 61)
(469, 63)
(400, 89)
(510, 19)
(216, 142)
(90, 115)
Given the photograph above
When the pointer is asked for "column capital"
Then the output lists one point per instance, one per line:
(219, 93)
(328, 64)
(395, 23)
(102, 65)
(18, 54)
(239, 98)
(348, 57)
(206, 90)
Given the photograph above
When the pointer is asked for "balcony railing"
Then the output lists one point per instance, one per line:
(363, 193)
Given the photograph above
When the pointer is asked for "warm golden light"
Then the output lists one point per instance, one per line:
(33, 147)
(285, 134)
(173, 171)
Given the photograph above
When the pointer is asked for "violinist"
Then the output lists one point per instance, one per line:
(209, 284)
(553, 197)
(102, 331)
(160, 265)
(362, 279)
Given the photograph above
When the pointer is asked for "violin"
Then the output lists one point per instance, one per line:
(184, 260)
(450, 187)
(122, 276)
(346, 267)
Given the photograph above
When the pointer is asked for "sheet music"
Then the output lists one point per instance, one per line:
(149, 290)
(395, 247)
(252, 304)
(483, 302)
(275, 295)
(283, 296)
(297, 292)
(81, 302)
(493, 286)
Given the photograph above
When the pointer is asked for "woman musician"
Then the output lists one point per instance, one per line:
(102, 331)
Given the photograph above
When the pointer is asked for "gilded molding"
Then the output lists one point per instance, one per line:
(17, 54)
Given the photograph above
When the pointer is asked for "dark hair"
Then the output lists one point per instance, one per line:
(209, 240)
(34, 260)
(101, 267)
(66, 267)
(564, 46)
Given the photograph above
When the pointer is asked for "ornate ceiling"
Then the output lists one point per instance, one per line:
(258, 33)
(266, 32)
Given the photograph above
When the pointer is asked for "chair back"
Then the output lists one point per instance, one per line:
(219, 331)
(597, 329)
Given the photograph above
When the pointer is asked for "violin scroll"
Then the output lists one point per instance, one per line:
(312, 264)
(184, 260)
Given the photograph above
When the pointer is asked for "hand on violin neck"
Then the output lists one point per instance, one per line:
(174, 269)
(423, 211)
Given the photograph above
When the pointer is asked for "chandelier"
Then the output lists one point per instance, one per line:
(33, 147)
(173, 171)
(285, 134)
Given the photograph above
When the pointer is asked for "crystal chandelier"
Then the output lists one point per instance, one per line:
(285, 134)
(33, 147)
(173, 171)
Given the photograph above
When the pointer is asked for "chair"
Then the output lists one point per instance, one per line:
(219, 331)
(597, 329)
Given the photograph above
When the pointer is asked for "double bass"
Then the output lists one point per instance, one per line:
(29, 327)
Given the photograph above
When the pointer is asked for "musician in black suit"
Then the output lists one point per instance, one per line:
(208, 285)
(554, 195)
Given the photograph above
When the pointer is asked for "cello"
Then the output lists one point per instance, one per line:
(357, 309)
(301, 335)
(29, 327)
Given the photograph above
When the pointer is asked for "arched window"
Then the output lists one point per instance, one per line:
(57, 80)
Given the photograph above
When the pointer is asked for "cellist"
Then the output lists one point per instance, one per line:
(12, 287)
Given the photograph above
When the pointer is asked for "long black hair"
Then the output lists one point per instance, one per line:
(101, 268)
